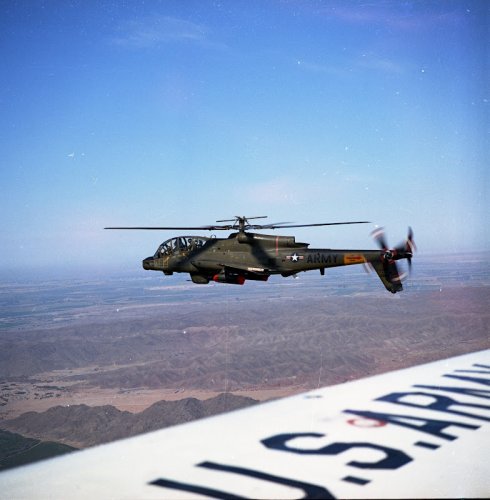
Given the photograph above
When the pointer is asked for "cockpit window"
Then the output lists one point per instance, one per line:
(180, 244)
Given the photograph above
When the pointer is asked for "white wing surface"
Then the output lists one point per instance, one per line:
(414, 433)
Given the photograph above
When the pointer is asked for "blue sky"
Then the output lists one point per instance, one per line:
(185, 112)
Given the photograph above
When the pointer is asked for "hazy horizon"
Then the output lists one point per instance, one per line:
(134, 270)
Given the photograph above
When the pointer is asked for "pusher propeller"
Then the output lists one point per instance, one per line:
(403, 251)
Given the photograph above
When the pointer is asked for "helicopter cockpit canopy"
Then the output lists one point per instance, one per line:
(180, 244)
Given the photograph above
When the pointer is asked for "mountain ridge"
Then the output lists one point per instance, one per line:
(83, 425)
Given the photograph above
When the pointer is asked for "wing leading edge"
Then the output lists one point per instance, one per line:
(413, 433)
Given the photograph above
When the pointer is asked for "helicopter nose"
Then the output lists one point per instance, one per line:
(148, 263)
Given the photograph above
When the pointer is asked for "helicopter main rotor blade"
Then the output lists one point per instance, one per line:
(268, 226)
(242, 218)
(175, 228)
(240, 224)
(280, 226)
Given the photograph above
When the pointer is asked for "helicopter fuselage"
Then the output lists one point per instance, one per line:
(252, 256)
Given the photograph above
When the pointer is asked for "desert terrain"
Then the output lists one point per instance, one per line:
(119, 351)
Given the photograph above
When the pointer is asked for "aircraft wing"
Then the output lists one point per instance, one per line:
(414, 433)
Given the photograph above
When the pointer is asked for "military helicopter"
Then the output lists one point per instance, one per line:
(246, 255)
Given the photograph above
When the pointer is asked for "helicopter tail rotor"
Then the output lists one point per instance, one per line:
(386, 267)
(403, 251)
(379, 237)
(410, 248)
(407, 249)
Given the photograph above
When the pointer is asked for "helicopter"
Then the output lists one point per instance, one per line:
(246, 255)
